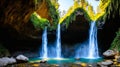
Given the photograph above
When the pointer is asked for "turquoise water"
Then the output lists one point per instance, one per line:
(65, 60)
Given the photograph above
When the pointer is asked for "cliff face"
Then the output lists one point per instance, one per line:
(43, 10)
(75, 27)
(15, 16)
(16, 13)
(16, 27)
(107, 34)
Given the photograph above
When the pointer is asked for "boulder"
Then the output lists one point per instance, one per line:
(109, 54)
(21, 59)
(5, 61)
(105, 63)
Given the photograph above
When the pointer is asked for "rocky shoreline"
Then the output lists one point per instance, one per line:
(111, 59)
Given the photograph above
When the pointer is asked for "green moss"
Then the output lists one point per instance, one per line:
(54, 14)
(116, 42)
(72, 17)
(39, 22)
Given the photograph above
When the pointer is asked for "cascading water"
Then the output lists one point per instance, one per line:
(93, 45)
(44, 44)
(89, 49)
(58, 42)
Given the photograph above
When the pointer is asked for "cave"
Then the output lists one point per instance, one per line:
(77, 30)
(42, 32)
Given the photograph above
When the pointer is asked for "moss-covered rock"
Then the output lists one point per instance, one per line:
(49, 11)
(39, 22)
(116, 42)
(73, 15)
(16, 16)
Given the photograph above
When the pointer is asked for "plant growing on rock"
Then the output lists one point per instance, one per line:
(116, 42)
(39, 22)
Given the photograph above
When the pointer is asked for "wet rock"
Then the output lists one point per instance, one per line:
(109, 54)
(36, 65)
(105, 63)
(56, 65)
(77, 58)
(117, 57)
(21, 59)
(114, 60)
(118, 60)
(5, 61)
(43, 61)
(83, 64)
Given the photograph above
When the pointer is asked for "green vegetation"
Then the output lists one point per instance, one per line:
(112, 10)
(55, 3)
(116, 42)
(39, 22)
(53, 12)
(3, 51)
(72, 17)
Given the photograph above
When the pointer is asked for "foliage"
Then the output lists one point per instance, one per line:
(53, 12)
(77, 5)
(39, 22)
(112, 9)
(55, 3)
(116, 42)
(73, 16)
(3, 51)
(88, 9)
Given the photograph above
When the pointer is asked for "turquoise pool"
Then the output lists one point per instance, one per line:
(65, 60)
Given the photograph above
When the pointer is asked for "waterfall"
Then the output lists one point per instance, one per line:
(93, 45)
(89, 49)
(58, 42)
(44, 44)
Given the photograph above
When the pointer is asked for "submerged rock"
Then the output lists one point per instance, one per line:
(21, 58)
(5, 61)
(77, 58)
(43, 61)
(109, 54)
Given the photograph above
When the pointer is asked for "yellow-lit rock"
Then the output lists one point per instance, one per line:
(35, 65)
(114, 59)
(118, 65)
(114, 62)
(83, 64)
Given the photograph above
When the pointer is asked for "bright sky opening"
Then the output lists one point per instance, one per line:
(95, 4)
(65, 5)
